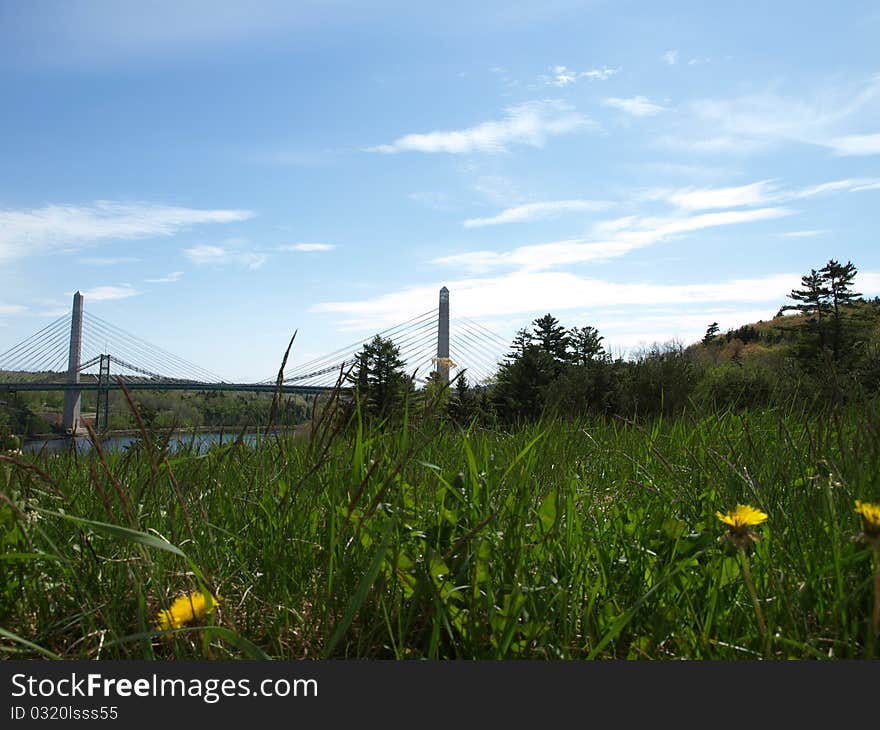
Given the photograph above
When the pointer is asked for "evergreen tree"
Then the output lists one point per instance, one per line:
(552, 338)
(379, 378)
(838, 279)
(813, 304)
(711, 332)
(820, 300)
(521, 341)
(521, 384)
(586, 345)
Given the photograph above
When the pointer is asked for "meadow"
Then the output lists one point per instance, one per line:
(564, 539)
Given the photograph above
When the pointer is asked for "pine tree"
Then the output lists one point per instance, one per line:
(379, 377)
(838, 279)
(711, 332)
(812, 303)
(521, 342)
(586, 345)
(552, 338)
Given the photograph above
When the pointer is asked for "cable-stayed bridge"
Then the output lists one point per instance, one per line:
(83, 352)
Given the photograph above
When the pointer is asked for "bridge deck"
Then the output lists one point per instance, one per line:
(135, 385)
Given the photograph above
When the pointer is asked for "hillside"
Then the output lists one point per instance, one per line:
(785, 334)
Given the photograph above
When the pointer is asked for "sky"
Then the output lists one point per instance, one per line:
(214, 176)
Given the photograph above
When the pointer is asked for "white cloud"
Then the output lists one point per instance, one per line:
(517, 293)
(204, 254)
(563, 76)
(875, 185)
(54, 227)
(731, 197)
(637, 106)
(856, 144)
(527, 124)
(307, 247)
(108, 293)
(624, 235)
(627, 314)
(825, 118)
(851, 185)
(169, 279)
(804, 234)
(11, 308)
(538, 211)
(762, 192)
(670, 57)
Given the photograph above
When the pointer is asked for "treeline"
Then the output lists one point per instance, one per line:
(35, 412)
(827, 352)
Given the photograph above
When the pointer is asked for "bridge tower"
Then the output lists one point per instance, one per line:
(442, 360)
(72, 399)
(103, 406)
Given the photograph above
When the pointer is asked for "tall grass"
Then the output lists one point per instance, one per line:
(559, 540)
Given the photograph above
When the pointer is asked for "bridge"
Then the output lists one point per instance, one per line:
(75, 353)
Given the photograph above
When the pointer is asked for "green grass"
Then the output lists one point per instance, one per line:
(562, 540)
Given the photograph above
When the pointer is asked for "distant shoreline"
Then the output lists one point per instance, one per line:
(136, 432)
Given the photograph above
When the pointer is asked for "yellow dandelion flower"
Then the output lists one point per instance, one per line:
(742, 518)
(184, 609)
(870, 515)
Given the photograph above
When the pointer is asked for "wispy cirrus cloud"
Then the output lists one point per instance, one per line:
(503, 295)
(636, 106)
(11, 309)
(306, 247)
(804, 234)
(539, 211)
(210, 255)
(67, 227)
(623, 235)
(756, 193)
(670, 58)
(832, 117)
(856, 144)
(109, 293)
(529, 124)
(168, 279)
(762, 192)
(563, 76)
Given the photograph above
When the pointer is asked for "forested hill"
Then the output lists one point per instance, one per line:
(787, 334)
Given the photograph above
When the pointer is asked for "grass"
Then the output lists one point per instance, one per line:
(560, 540)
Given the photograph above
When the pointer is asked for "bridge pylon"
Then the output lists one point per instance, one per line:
(102, 408)
(72, 397)
(442, 362)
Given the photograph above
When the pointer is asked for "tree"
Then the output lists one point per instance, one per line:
(586, 345)
(552, 338)
(838, 279)
(711, 332)
(521, 385)
(823, 295)
(462, 403)
(379, 377)
(812, 303)
(521, 341)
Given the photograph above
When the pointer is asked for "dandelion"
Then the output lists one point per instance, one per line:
(740, 521)
(870, 518)
(870, 535)
(185, 609)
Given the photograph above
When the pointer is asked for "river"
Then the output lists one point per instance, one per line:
(202, 441)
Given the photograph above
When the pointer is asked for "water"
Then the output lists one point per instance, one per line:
(200, 441)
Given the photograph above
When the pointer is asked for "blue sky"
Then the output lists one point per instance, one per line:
(213, 176)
